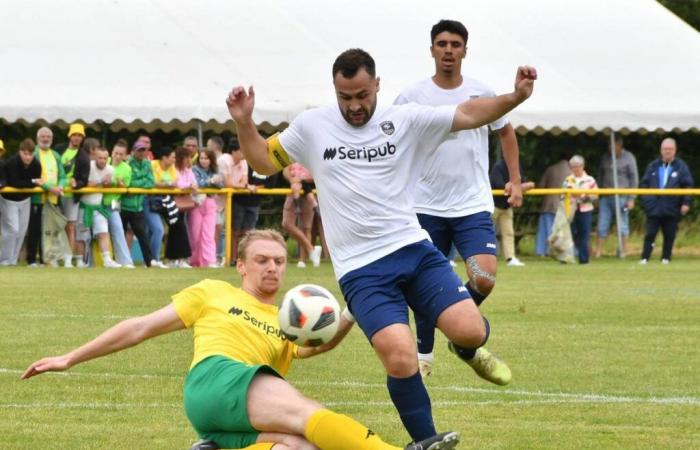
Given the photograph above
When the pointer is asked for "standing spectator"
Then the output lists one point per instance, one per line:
(54, 180)
(69, 204)
(239, 180)
(202, 219)
(224, 164)
(192, 145)
(22, 171)
(665, 211)
(132, 205)
(164, 175)
(93, 216)
(300, 181)
(79, 180)
(177, 246)
(122, 179)
(2, 164)
(146, 141)
(552, 178)
(627, 177)
(581, 205)
(503, 212)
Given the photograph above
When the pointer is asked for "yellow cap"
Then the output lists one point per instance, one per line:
(76, 128)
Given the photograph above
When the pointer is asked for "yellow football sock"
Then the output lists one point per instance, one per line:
(260, 446)
(332, 431)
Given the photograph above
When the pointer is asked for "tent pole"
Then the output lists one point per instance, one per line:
(199, 133)
(618, 218)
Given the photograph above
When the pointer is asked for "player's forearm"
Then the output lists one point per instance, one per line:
(123, 335)
(478, 112)
(254, 147)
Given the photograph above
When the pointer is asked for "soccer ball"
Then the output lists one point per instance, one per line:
(309, 315)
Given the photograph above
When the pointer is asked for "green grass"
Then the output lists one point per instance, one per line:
(604, 356)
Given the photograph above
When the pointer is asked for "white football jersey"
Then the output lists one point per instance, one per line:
(365, 175)
(454, 181)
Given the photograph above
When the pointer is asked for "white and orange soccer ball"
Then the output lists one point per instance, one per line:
(309, 315)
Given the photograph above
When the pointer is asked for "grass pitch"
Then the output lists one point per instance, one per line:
(604, 356)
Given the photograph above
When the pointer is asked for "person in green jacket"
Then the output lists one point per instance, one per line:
(132, 204)
(54, 181)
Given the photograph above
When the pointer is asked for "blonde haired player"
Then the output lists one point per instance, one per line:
(235, 396)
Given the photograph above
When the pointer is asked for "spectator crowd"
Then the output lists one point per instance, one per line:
(59, 227)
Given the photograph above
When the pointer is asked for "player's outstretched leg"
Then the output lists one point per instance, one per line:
(442, 441)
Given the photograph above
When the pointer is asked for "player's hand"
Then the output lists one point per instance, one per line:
(241, 103)
(50, 364)
(514, 192)
(525, 82)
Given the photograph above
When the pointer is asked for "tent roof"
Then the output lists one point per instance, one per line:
(604, 64)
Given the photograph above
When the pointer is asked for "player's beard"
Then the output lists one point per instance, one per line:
(366, 115)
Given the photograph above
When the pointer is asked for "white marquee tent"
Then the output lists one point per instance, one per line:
(604, 64)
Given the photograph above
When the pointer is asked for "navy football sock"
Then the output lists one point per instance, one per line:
(476, 296)
(413, 404)
(425, 334)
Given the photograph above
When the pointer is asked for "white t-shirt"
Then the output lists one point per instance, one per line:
(96, 176)
(224, 165)
(454, 181)
(364, 175)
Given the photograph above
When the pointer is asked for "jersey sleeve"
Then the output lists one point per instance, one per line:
(432, 124)
(189, 303)
(292, 140)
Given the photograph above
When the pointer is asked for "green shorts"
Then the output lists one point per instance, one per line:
(215, 400)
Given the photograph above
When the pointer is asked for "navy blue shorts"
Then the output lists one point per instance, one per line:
(416, 276)
(472, 235)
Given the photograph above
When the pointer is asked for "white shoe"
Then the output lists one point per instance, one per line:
(68, 263)
(158, 264)
(315, 256)
(184, 265)
(53, 263)
(665, 261)
(643, 261)
(111, 264)
(128, 266)
(214, 266)
(80, 264)
(515, 262)
(301, 265)
(34, 265)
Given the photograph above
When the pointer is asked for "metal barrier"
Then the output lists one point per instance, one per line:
(229, 193)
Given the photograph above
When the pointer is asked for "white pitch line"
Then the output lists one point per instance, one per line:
(554, 397)
(88, 405)
(72, 316)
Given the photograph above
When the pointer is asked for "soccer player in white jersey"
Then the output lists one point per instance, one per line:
(364, 160)
(453, 193)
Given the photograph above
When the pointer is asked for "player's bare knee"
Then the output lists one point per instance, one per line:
(484, 285)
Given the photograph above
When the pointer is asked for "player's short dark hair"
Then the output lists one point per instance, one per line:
(351, 61)
(121, 143)
(451, 26)
(618, 138)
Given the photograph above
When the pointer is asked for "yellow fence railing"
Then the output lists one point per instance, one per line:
(229, 193)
